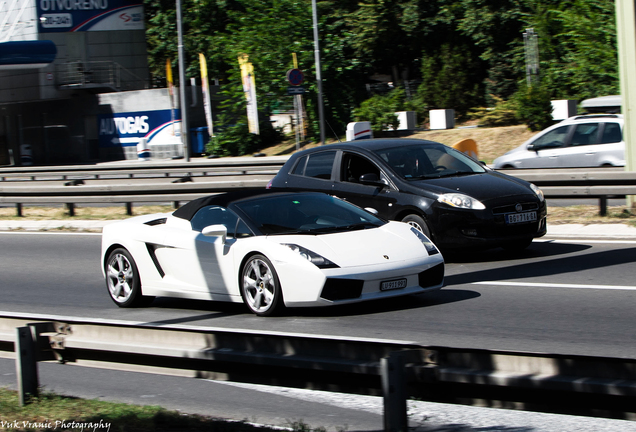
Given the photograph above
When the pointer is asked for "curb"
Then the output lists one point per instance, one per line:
(555, 231)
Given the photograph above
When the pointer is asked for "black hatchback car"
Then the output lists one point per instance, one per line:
(453, 199)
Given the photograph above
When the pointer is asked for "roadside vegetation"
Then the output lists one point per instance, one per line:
(50, 412)
(382, 56)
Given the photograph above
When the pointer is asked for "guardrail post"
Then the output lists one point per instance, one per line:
(603, 205)
(26, 365)
(394, 391)
(71, 209)
(129, 208)
(18, 210)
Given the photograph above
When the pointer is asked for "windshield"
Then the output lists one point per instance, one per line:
(306, 214)
(423, 161)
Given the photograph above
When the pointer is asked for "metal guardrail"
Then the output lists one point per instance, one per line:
(98, 184)
(584, 385)
(601, 184)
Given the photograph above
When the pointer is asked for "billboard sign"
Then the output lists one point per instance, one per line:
(57, 16)
(127, 129)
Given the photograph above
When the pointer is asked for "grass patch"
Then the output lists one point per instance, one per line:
(491, 142)
(50, 412)
(86, 213)
(588, 214)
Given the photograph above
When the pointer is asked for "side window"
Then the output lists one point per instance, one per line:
(354, 166)
(299, 169)
(553, 139)
(320, 164)
(611, 133)
(585, 134)
(242, 230)
(214, 215)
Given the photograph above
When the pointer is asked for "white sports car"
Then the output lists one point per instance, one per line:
(268, 250)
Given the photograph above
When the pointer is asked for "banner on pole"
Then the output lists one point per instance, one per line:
(249, 87)
(171, 93)
(205, 88)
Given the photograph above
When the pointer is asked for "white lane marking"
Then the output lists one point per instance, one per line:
(583, 241)
(50, 233)
(553, 285)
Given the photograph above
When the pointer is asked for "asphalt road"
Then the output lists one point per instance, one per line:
(574, 297)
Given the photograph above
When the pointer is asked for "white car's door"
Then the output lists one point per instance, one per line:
(546, 150)
(197, 262)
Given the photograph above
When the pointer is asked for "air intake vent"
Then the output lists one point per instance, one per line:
(431, 277)
(156, 222)
(342, 289)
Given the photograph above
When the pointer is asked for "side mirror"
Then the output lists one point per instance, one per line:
(531, 147)
(371, 179)
(215, 231)
(371, 210)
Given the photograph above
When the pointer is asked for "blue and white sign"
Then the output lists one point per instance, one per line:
(57, 16)
(127, 129)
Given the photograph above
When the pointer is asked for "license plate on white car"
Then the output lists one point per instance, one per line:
(393, 284)
(521, 217)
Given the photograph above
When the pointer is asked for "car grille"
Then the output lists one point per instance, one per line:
(431, 277)
(511, 208)
(341, 289)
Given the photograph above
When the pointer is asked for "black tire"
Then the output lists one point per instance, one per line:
(122, 280)
(260, 287)
(418, 223)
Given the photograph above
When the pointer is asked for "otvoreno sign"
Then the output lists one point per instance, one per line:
(126, 129)
(56, 16)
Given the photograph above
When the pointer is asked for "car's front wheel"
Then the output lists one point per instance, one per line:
(122, 280)
(418, 223)
(260, 287)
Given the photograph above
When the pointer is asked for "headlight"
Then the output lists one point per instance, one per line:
(317, 260)
(537, 191)
(430, 247)
(461, 201)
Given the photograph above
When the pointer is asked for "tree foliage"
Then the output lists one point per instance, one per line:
(459, 54)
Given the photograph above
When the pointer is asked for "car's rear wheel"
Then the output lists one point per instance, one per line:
(122, 280)
(260, 287)
(418, 223)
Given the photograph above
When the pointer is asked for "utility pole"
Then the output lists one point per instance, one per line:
(182, 81)
(321, 112)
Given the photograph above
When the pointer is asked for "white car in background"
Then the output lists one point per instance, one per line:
(268, 250)
(581, 141)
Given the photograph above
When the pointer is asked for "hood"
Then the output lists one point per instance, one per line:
(363, 247)
(481, 186)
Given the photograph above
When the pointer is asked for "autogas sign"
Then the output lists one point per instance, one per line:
(126, 129)
(89, 15)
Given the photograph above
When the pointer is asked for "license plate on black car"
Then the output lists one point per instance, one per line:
(521, 217)
(393, 284)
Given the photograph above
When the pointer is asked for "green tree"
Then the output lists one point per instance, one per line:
(380, 111)
(446, 83)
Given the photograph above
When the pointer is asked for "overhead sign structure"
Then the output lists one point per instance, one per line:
(59, 16)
